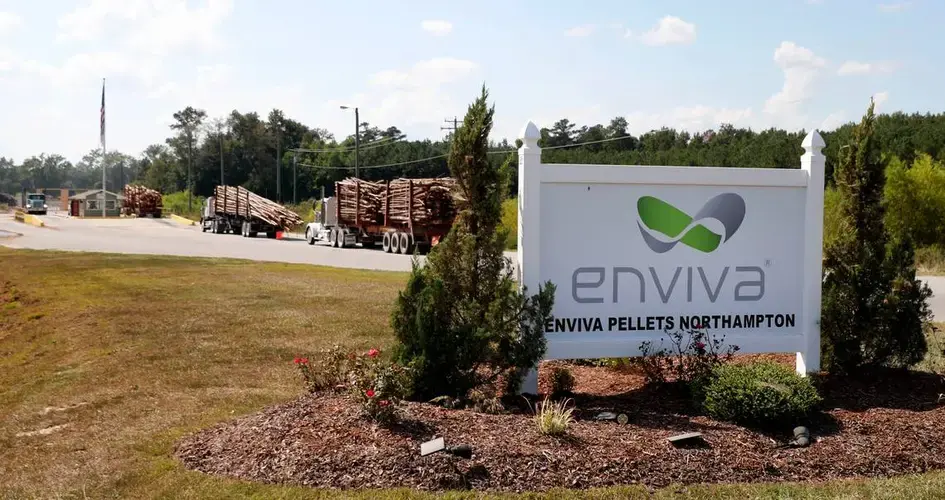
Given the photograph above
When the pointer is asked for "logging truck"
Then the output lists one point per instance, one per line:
(399, 216)
(233, 209)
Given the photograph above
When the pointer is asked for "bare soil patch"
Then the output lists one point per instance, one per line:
(883, 424)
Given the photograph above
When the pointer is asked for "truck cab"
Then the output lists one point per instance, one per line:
(318, 230)
(36, 203)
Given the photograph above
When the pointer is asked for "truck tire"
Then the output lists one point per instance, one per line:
(395, 243)
(405, 243)
(386, 242)
(309, 236)
(341, 238)
(244, 230)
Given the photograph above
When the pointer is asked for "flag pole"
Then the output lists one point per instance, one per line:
(102, 137)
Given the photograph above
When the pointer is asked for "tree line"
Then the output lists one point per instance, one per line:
(248, 146)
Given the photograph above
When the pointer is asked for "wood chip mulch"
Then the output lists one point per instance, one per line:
(885, 424)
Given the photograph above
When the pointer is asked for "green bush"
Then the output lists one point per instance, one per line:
(462, 321)
(510, 223)
(562, 381)
(914, 200)
(875, 311)
(759, 395)
(176, 203)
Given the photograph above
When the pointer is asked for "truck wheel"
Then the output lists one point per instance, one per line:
(244, 230)
(385, 243)
(309, 236)
(213, 226)
(341, 238)
(395, 243)
(405, 243)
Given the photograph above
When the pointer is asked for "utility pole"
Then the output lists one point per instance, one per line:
(220, 135)
(279, 163)
(190, 168)
(295, 176)
(452, 128)
(357, 141)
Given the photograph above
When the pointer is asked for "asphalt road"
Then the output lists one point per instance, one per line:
(164, 237)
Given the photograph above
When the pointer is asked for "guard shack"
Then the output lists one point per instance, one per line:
(91, 203)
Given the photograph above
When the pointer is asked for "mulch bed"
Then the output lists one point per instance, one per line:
(884, 424)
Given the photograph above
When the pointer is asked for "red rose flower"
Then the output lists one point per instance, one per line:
(304, 361)
(369, 393)
(373, 353)
(700, 346)
(298, 360)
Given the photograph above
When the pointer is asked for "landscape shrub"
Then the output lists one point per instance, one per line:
(759, 395)
(553, 418)
(690, 359)
(378, 385)
(874, 312)
(328, 369)
(562, 381)
(461, 321)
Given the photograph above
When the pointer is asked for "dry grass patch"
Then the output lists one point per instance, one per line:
(129, 348)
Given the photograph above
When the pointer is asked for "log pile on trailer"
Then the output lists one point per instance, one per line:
(360, 201)
(245, 203)
(141, 201)
(421, 201)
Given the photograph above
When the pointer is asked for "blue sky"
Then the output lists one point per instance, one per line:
(687, 64)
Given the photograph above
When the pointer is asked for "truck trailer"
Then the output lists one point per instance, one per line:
(399, 215)
(234, 208)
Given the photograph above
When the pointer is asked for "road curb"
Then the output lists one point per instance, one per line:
(21, 216)
(183, 220)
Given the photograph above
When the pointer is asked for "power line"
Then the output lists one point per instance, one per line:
(371, 145)
(504, 151)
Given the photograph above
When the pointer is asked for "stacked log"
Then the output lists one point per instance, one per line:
(141, 201)
(429, 202)
(236, 200)
(360, 201)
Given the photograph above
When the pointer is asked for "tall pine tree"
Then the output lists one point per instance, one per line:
(461, 322)
(874, 311)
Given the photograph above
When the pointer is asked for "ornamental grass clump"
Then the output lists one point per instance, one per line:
(553, 418)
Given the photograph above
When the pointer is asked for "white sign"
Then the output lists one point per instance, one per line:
(639, 251)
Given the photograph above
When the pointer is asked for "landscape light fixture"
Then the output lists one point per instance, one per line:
(439, 444)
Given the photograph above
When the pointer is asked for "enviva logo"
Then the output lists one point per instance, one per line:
(679, 227)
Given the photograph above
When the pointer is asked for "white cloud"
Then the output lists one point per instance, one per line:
(152, 26)
(92, 65)
(9, 22)
(801, 68)
(425, 73)
(419, 97)
(691, 118)
(437, 27)
(582, 30)
(862, 68)
(893, 7)
(880, 97)
(670, 30)
(832, 121)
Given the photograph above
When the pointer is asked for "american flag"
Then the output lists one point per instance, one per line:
(102, 118)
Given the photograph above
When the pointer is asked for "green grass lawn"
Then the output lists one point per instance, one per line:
(119, 356)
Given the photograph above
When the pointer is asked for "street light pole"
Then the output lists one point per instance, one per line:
(357, 141)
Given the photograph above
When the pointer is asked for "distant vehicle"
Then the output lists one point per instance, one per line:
(238, 210)
(36, 203)
(407, 215)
